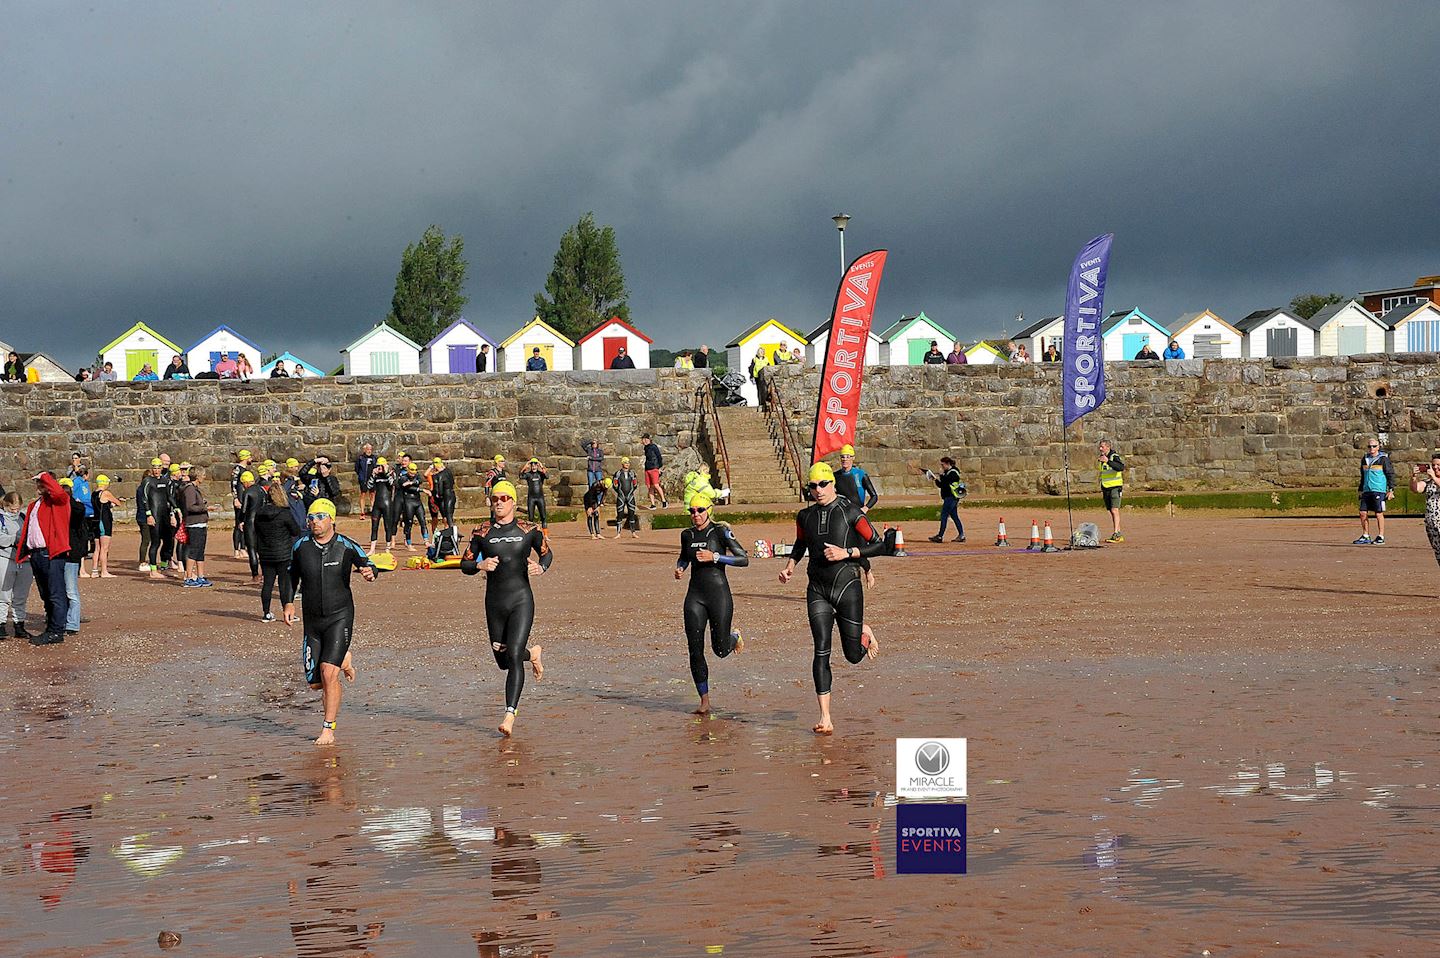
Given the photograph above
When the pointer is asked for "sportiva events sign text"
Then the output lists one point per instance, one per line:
(1083, 360)
(845, 354)
(930, 767)
(929, 839)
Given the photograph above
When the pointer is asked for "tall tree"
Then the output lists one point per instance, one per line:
(1308, 304)
(586, 286)
(427, 288)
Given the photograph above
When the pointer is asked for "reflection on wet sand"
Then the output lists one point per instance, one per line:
(57, 850)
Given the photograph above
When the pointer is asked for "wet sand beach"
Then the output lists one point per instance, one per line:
(1220, 735)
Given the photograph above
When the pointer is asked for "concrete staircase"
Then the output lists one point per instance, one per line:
(755, 475)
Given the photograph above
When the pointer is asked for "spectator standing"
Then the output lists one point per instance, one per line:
(594, 451)
(482, 358)
(75, 558)
(146, 375)
(796, 359)
(1377, 487)
(195, 514)
(107, 373)
(15, 576)
(701, 360)
(1146, 352)
(1426, 479)
(243, 369)
(1012, 350)
(622, 360)
(956, 356)
(14, 369)
(654, 461)
(1022, 355)
(952, 489)
(536, 363)
(933, 355)
(45, 542)
(1112, 485)
(1051, 354)
(279, 371)
(1173, 351)
(276, 533)
(365, 477)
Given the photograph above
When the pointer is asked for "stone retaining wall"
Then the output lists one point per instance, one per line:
(1188, 425)
(466, 419)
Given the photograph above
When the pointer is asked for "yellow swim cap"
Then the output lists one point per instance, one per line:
(382, 461)
(67, 482)
(404, 455)
(847, 450)
(291, 463)
(412, 466)
(499, 458)
(701, 501)
(245, 454)
(503, 488)
(247, 476)
(608, 482)
(322, 505)
(156, 462)
(624, 460)
(174, 468)
(102, 480)
(534, 461)
(821, 472)
(438, 461)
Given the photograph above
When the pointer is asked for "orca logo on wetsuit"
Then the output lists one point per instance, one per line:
(506, 539)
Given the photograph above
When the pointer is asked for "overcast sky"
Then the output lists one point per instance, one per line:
(264, 164)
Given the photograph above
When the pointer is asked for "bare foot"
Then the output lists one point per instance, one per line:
(535, 665)
(823, 727)
(704, 707)
(158, 575)
(347, 668)
(507, 724)
(108, 575)
(327, 737)
(867, 639)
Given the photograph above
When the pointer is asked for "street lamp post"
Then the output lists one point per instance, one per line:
(840, 220)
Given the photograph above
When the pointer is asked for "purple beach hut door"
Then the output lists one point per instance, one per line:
(462, 359)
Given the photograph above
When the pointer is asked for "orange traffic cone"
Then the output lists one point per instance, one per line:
(1034, 545)
(900, 542)
(1000, 537)
(1049, 539)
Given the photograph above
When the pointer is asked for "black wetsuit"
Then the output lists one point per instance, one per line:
(322, 574)
(177, 486)
(535, 495)
(251, 500)
(834, 595)
(411, 508)
(237, 535)
(509, 603)
(384, 506)
(142, 509)
(442, 494)
(626, 514)
(854, 484)
(708, 600)
(162, 533)
(593, 499)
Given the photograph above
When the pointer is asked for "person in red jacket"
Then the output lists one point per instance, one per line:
(45, 541)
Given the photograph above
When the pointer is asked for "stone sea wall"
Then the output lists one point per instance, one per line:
(1211, 424)
(464, 419)
(1188, 425)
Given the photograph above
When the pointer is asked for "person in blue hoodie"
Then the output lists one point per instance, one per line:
(1377, 487)
(1173, 351)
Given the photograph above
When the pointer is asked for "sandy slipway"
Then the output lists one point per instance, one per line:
(1219, 736)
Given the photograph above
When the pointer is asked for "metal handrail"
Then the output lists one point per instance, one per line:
(705, 404)
(781, 435)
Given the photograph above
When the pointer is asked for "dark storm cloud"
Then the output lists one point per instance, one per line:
(263, 165)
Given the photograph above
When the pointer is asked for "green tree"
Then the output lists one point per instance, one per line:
(1308, 304)
(586, 286)
(427, 288)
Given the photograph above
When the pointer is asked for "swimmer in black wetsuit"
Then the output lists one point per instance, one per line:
(442, 492)
(535, 475)
(501, 549)
(320, 568)
(412, 510)
(837, 537)
(707, 548)
(382, 504)
(627, 485)
(593, 499)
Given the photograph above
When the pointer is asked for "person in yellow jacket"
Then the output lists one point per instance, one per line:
(1112, 484)
(697, 483)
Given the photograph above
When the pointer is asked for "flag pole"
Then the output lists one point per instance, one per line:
(1069, 508)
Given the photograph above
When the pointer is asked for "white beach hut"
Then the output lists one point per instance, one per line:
(1204, 335)
(456, 349)
(598, 348)
(220, 342)
(557, 350)
(1347, 328)
(383, 351)
(136, 347)
(907, 342)
(1413, 328)
(1041, 334)
(1276, 334)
